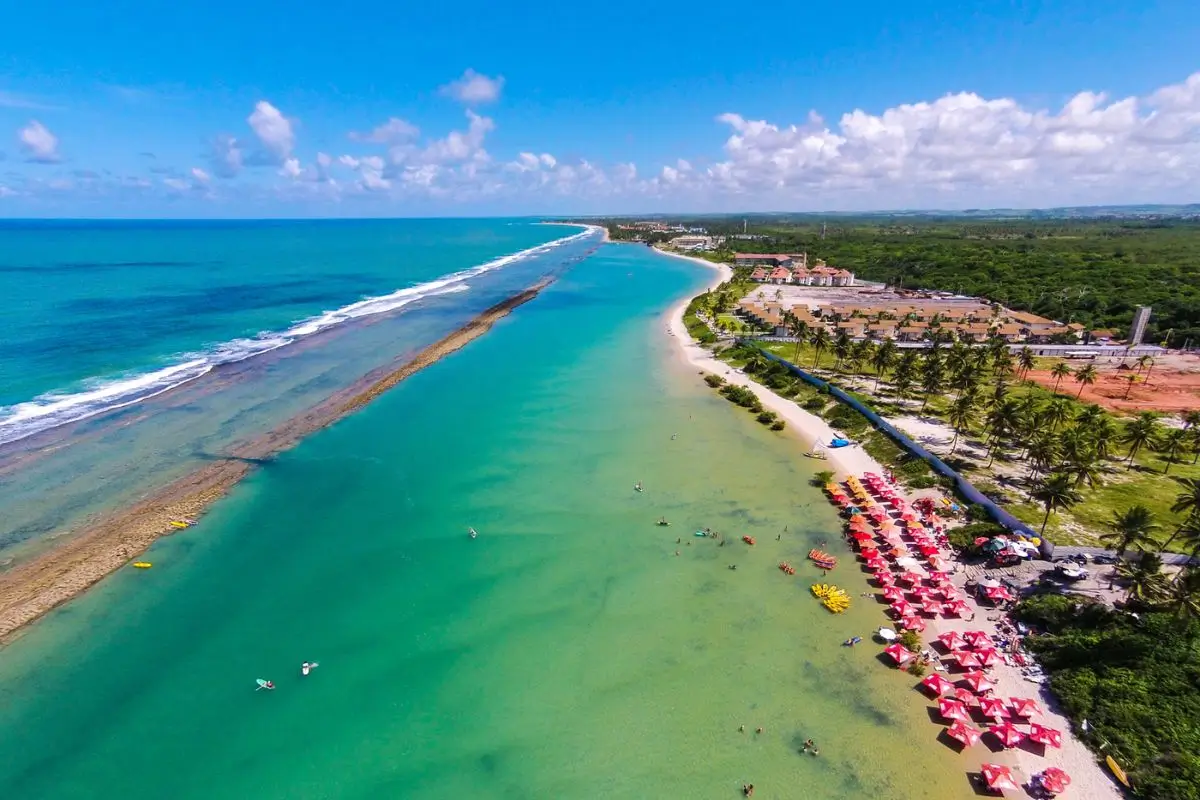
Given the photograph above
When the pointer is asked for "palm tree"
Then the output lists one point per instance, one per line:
(1103, 433)
(1173, 444)
(1188, 499)
(1145, 582)
(1001, 422)
(1042, 453)
(820, 340)
(1055, 492)
(841, 348)
(1085, 377)
(1025, 361)
(1139, 433)
(1132, 529)
(905, 373)
(1056, 412)
(1130, 380)
(1183, 599)
(1188, 535)
(1059, 371)
(1146, 362)
(883, 359)
(798, 328)
(961, 415)
(931, 379)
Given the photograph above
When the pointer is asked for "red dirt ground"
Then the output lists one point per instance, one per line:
(1171, 388)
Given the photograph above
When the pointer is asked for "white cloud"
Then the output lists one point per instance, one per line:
(7, 192)
(290, 168)
(473, 88)
(323, 160)
(394, 131)
(460, 146)
(178, 184)
(226, 157)
(273, 129)
(39, 144)
(200, 175)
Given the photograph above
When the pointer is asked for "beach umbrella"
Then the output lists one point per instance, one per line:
(868, 553)
(884, 578)
(963, 732)
(937, 684)
(931, 607)
(893, 593)
(860, 536)
(997, 594)
(911, 578)
(1044, 735)
(1023, 707)
(887, 634)
(920, 591)
(937, 577)
(953, 708)
(989, 656)
(912, 623)
(965, 695)
(928, 550)
(1054, 780)
(978, 639)
(993, 707)
(938, 562)
(998, 778)
(956, 607)
(952, 640)
(967, 659)
(902, 608)
(978, 682)
(900, 654)
(1007, 733)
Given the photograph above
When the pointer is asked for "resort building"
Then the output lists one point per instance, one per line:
(800, 274)
(692, 243)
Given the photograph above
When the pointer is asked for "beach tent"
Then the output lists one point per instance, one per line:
(1054, 780)
(1023, 707)
(978, 682)
(953, 708)
(952, 640)
(1008, 734)
(998, 778)
(1044, 735)
(993, 707)
(900, 654)
(937, 684)
(963, 732)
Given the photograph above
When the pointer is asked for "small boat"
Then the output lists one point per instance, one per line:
(701, 534)
(177, 523)
(143, 564)
(1117, 772)
(786, 568)
(748, 539)
(822, 559)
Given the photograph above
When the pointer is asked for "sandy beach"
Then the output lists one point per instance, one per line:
(1089, 779)
(32, 588)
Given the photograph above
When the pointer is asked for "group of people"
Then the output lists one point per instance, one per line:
(305, 668)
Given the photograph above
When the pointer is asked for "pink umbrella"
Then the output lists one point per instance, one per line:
(936, 577)
(884, 578)
(1023, 707)
(951, 708)
(920, 591)
(978, 639)
(952, 640)
(998, 778)
(993, 707)
(1008, 734)
(997, 594)
(900, 654)
(931, 607)
(963, 732)
(1043, 735)
(911, 578)
(989, 656)
(956, 608)
(937, 684)
(978, 682)
(965, 695)
(912, 624)
(877, 564)
(1054, 780)
(893, 593)
(967, 659)
(902, 608)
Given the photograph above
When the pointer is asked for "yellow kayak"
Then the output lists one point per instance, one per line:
(178, 524)
(1118, 772)
(143, 564)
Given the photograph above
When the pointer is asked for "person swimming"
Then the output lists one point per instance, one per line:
(662, 521)
(308, 666)
(637, 487)
(472, 533)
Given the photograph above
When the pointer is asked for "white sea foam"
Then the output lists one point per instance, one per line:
(54, 409)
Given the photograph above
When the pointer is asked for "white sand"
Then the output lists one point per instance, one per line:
(1088, 778)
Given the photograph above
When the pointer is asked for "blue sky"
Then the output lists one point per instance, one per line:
(251, 109)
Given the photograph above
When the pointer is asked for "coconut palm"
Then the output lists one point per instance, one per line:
(841, 348)
(1002, 422)
(905, 373)
(1130, 380)
(1141, 432)
(1085, 377)
(820, 341)
(883, 359)
(799, 329)
(1188, 499)
(1056, 492)
(1174, 444)
(1056, 412)
(1026, 361)
(1088, 416)
(1143, 363)
(1183, 597)
(1042, 453)
(1103, 433)
(1132, 529)
(932, 379)
(1144, 580)
(962, 414)
(1059, 371)
(1187, 535)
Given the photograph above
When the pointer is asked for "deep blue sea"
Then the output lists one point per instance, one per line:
(98, 314)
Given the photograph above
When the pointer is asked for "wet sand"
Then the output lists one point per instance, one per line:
(31, 589)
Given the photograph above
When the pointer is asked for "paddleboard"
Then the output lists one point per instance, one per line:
(143, 564)
(1117, 772)
(701, 534)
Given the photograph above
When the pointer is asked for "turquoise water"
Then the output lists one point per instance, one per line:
(568, 652)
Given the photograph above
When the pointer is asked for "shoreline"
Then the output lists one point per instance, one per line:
(104, 545)
(1089, 779)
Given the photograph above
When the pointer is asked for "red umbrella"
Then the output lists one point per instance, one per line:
(965, 695)
(963, 732)
(978, 682)
(911, 578)
(951, 708)
(931, 606)
(1054, 780)
(998, 778)
(967, 659)
(928, 549)
(952, 640)
(993, 707)
(937, 577)
(912, 624)
(893, 593)
(937, 684)
(902, 608)
(1023, 707)
(1043, 735)
(1008, 734)
(860, 536)
(900, 654)
(956, 608)
(884, 578)
(997, 593)
(978, 639)
(989, 656)
(920, 591)
(868, 553)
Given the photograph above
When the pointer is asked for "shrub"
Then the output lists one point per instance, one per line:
(766, 417)
(916, 669)
(823, 477)
(911, 640)
(778, 425)
(714, 380)
(813, 404)
(964, 537)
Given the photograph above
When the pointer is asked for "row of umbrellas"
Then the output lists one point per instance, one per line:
(999, 778)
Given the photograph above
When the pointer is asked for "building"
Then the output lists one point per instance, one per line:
(692, 243)
(1138, 329)
(762, 259)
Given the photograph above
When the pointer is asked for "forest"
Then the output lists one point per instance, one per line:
(1091, 271)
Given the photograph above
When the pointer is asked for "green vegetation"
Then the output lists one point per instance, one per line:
(1135, 679)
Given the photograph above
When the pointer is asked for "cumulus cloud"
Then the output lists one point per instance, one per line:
(38, 143)
(225, 157)
(460, 146)
(273, 130)
(474, 88)
(201, 175)
(394, 131)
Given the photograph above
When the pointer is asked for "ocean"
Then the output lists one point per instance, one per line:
(573, 650)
